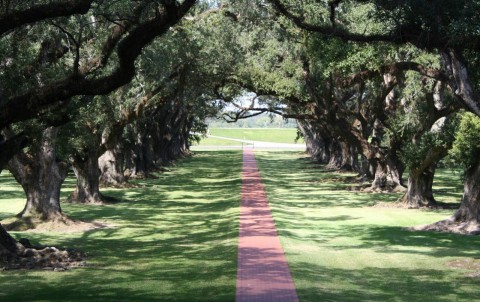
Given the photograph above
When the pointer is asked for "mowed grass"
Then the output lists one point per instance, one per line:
(213, 141)
(274, 135)
(339, 248)
(175, 239)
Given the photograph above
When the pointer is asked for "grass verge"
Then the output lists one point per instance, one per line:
(175, 239)
(274, 135)
(212, 141)
(341, 249)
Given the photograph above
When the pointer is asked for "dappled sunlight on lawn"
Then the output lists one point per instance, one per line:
(172, 239)
(340, 248)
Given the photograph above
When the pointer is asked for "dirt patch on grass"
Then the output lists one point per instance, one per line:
(402, 205)
(392, 205)
(470, 264)
(71, 226)
(125, 185)
(60, 225)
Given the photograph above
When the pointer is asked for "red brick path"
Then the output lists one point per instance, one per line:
(263, 274)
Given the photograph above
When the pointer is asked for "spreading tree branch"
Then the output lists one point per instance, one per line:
(393, 69)
(36, 13)
(413, 32)
(10, 146)
(29, 104)
(333, 31)
(76, 61)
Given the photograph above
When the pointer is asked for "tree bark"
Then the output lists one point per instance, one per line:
(17, 18)
(10, 249)
(420, 179)
(41, 177)
(387, 176)
(141, 158)
(9, 147)
(466, 219)
(87, 171)
(460, 82)
(469, 211)
(318, 144)
(111, 167)
(419, 191)
(341, 156)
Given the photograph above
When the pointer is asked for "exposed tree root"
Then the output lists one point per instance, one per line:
(451, 225)
(385, 189)
(49, 258)
(140, 175)
(123, 185)
(109, 199)
(23, 255)
(97, 199)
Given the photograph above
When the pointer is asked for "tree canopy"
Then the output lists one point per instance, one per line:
(118, 89)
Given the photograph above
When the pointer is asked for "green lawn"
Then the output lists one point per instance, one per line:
(175, 240)
(341, 249)
(212, 141)
(274, 135)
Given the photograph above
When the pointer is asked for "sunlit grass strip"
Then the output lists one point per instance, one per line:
(211, 141)
(275, 135)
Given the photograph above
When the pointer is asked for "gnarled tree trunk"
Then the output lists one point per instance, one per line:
(41, 177)
(9, 147)
(419, 191)
(111, 167)
(466, 219)
(10, 249)
(469, 211)
(141, 160)
(387, 176)
(317, 145)
(88, 179)
(420, 179)
(341, 157)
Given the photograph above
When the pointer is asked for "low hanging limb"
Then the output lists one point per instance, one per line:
(26, 106)
(243, 112)
(36, 13)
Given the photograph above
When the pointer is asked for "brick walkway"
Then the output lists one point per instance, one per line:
(263, 274)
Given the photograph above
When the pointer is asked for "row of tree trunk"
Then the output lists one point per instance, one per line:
(41, 173)
(342, 144)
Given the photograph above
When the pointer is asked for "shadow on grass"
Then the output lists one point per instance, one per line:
(174, 240)
(357, 253)
(9, 194)
(379, 284)
(9, 187)
(397, 283)
(314, 187)
(439, 244)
